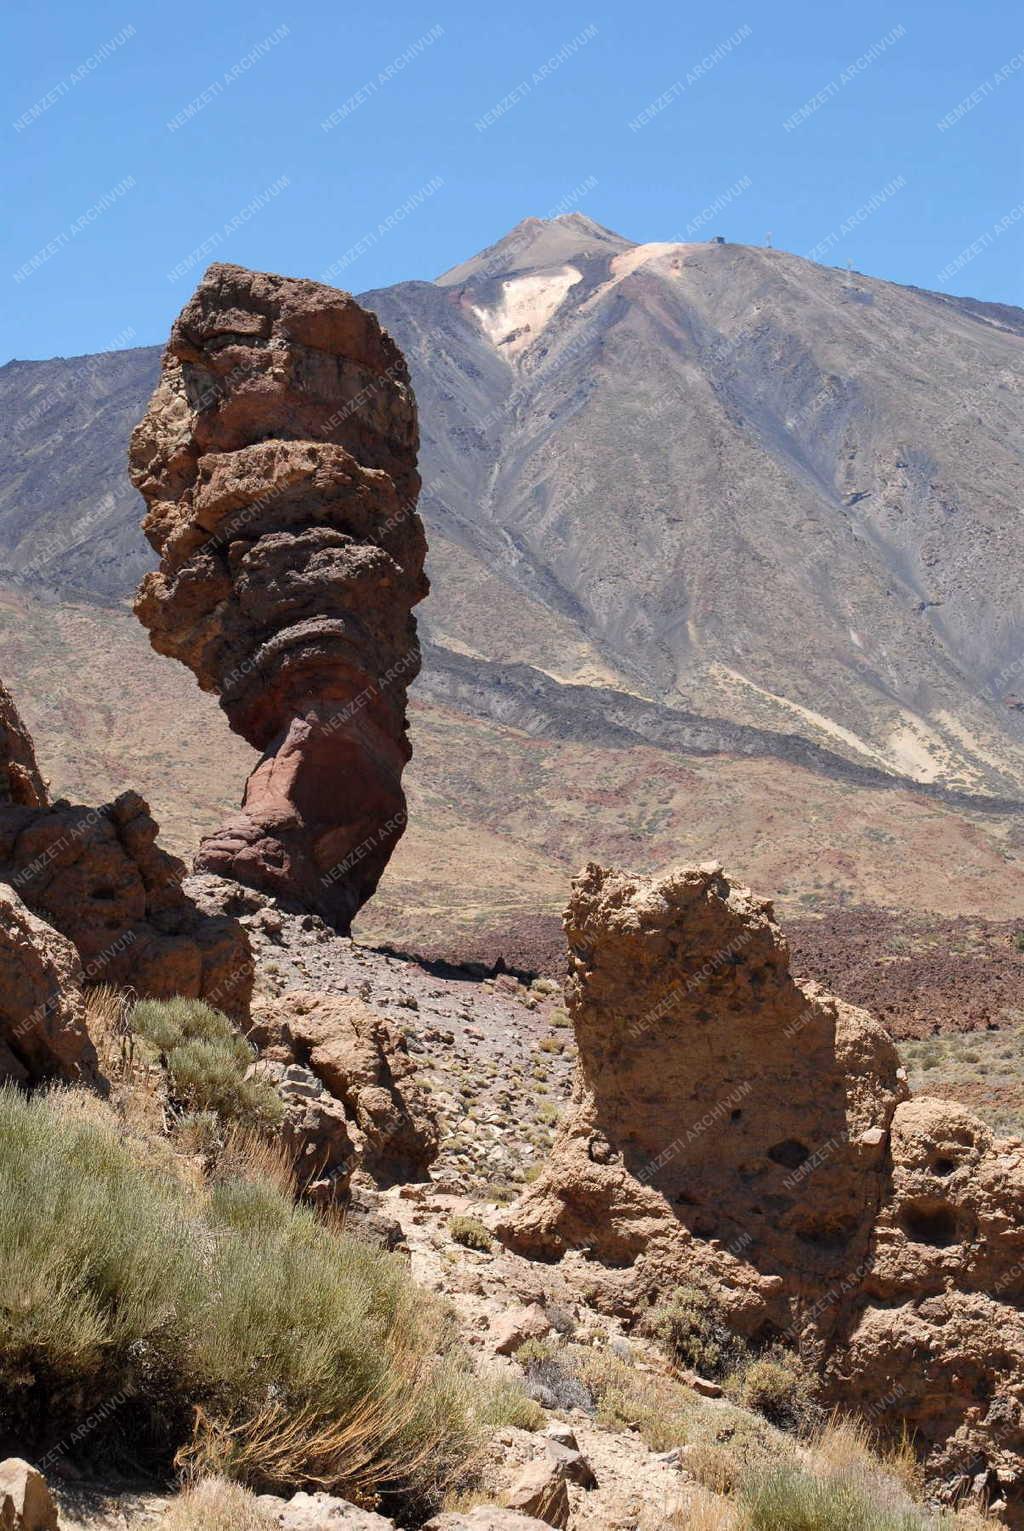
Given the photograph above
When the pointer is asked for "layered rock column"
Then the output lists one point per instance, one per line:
(278, 463)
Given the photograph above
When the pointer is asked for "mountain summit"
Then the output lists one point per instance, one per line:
(535, 244)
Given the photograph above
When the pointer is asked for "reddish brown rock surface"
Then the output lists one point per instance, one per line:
(98, 876)
(42, 1026)
(278, 464)
(362, 1062)
(733, 1130)
(20, 781)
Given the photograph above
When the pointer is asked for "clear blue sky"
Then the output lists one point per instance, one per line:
(475, 116)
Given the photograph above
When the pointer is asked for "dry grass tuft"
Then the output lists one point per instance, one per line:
(216, 1504)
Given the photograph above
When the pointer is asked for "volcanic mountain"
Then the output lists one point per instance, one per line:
(724, 546)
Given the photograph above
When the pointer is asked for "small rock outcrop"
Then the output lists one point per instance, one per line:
(707, 1083)
(737, 1132)
(99, 877)
(42, 1024)
(278, 464)
(20, 781)
(364, 1063)
(26, 1503)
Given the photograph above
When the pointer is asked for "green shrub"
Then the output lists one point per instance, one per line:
(505, 1402)
(779, 1386)
(205, 1059)
(469, 1231)
(689, 1327)
(786, 1499)
(252, 1339)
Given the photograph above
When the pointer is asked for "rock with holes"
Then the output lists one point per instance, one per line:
(720, 1111)
(364, 1063)
(278, 464)
(935, 1333)
(734, 1131)
(42, 1023)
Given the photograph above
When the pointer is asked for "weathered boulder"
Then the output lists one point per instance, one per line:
(42, 1023)
(515, 1326)
(99, 876)
(364, 1063)
(315, 1132)
(20, 781)
(733, 1131)
(934, 1333)
(26, 1503)
(724, 1120)
(278, 464)
(540, 1490)
(322, 1512)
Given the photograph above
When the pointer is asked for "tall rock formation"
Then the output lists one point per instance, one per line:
(732, 1130)
(278, 464)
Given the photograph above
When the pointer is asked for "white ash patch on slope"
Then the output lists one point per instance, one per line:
(527, 304)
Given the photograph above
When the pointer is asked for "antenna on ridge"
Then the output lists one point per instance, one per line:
(768, 240)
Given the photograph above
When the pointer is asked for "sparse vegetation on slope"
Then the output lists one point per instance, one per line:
(251, 1339)
(206, 1060)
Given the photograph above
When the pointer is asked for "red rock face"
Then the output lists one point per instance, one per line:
(99, 877)
(278, 464)
(20, 781)
(733, 1130)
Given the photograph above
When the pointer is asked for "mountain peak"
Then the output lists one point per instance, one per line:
(535, 244)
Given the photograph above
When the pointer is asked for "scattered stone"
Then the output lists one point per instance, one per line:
(517, 1325)
(540, 1490)
(26, 1503)
(702, 1385)
(574, 1464)
(563, 1434)
(486, 1517)
(323, 1512)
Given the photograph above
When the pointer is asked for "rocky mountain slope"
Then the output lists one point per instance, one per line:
(722, 547)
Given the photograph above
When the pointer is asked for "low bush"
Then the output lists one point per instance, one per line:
(690, 1329)
(470, 1232)
(553, 1366)
(243, 1336)
(779, 1386)
(205, 1060)
(788, 1499)
(216, 1504)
